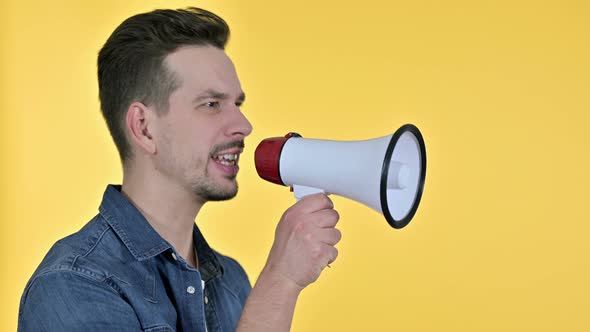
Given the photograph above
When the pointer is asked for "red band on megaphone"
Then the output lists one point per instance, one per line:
(266, 158)
(268, 155)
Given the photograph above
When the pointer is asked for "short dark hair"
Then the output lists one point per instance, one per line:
(131, 63)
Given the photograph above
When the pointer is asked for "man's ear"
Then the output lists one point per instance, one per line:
(138, 123)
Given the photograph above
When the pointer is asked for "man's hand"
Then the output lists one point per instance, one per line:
(303, 247)
(304, 241)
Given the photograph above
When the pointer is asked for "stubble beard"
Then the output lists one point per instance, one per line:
(198, 181)
(202, 185)
(208, 190)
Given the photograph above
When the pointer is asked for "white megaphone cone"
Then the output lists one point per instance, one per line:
(385, 173)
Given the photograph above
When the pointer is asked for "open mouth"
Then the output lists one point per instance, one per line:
(227, 159)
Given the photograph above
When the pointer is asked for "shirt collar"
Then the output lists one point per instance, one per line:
(142, 240)
(209, 265)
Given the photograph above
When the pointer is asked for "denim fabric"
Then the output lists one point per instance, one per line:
(118, 274)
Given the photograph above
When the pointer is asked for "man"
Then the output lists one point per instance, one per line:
(171, 99)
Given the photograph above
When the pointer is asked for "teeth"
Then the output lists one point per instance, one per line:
(227, 159)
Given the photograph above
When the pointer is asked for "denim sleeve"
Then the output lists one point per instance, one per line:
(69, 301)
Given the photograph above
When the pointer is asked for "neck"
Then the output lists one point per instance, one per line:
(168, 207)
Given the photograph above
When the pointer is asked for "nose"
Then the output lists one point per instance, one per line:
(239, 125)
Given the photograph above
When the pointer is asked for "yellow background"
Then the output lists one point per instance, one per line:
(499, 89)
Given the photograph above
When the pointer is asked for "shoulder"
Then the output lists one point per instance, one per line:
(66, 300)
(65, 253)
(50, 286)
(91, 255)
(79, 274)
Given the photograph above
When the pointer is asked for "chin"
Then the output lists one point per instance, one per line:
(222, 195)
(216, 192)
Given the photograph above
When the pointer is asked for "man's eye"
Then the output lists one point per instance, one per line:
(239, 104)
(212, 104)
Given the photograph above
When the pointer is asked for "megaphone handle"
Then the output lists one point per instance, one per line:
(302, 191)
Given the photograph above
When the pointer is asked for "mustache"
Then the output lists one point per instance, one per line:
(227, 146)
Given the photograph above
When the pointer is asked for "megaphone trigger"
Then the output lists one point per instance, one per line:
(302, 191)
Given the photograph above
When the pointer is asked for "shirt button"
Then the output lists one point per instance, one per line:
(190, 290)
(206, 300)
(174, 256)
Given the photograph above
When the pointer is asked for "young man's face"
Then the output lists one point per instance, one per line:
(202, 133)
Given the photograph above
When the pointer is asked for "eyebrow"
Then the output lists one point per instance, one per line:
(217, 95)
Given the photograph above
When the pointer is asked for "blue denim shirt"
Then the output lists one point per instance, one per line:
(118, 274)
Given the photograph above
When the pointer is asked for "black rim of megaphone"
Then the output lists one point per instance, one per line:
(385, 171)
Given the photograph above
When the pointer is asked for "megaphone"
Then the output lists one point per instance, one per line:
(386, 173)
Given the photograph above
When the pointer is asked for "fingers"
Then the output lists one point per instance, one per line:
(330, 256)
(327, 218)
(313, 203)
(329, 236)
(321, 224)
(304, 240)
